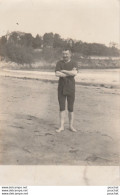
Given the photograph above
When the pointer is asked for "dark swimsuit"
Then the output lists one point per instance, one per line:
(66, 86)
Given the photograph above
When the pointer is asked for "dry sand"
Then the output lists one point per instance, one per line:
(29, 116)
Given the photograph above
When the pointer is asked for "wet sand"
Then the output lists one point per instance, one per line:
(29, 116)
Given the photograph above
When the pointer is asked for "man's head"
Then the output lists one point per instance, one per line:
(66, 55)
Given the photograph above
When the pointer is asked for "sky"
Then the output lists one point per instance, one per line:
(85, 20)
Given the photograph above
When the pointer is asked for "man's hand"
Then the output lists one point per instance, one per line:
(60, 74)
(70, 72)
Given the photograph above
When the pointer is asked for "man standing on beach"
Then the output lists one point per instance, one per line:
(66, 70)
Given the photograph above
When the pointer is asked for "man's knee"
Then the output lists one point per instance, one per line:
(70, 105)
(70, 109)
(62, 105)
(62, 110)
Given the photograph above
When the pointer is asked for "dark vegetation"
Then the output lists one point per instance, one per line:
(23, 48)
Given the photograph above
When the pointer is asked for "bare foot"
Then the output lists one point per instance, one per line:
(72, 129)
(60, 129)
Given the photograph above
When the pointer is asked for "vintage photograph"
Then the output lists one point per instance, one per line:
(60, 82)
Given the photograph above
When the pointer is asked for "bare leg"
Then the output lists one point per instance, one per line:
(71, 117)
(62, 118)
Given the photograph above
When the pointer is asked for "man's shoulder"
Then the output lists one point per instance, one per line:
(58, 65)
(60, 62)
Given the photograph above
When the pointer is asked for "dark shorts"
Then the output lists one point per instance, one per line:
(62, 100)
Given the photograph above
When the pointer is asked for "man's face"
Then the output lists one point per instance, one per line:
(66, 55)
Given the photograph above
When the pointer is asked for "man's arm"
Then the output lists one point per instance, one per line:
(60, 74)
(70, 72)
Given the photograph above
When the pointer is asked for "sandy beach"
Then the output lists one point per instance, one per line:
(29, 116)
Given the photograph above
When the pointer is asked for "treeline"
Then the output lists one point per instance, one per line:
(24, 48)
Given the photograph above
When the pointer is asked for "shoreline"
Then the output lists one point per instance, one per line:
(102, 78)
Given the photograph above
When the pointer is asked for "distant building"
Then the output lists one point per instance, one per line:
(113, 44)
(103, 58)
